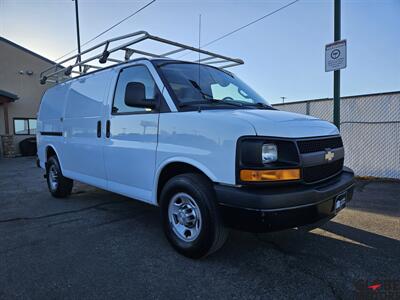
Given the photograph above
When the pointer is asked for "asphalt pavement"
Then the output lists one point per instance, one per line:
(99, 245)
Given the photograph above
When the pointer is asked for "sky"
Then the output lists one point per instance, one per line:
(283, 54)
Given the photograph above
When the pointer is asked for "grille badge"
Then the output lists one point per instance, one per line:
(329, 155)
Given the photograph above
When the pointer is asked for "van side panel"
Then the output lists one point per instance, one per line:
(83, 149)
(49, 124)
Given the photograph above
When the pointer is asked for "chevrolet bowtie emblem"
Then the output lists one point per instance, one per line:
(329, 155)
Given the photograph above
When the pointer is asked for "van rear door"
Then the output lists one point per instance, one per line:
(50, 126)
(130, 150)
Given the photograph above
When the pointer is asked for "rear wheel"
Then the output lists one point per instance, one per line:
(59, 186)
(190, 216)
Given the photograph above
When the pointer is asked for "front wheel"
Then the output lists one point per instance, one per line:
(190, 216)
(59, 186)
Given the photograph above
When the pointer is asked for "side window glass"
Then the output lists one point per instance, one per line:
(137, 75)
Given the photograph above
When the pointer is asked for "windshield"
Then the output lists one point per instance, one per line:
(196, 83)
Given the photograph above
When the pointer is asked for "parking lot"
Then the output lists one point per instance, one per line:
(96, 244)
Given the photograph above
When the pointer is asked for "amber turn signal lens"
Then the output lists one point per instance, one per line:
(269, 175)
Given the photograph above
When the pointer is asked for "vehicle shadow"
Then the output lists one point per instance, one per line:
(330, 237)
(377, 196)
(293, 241)
(326, 262)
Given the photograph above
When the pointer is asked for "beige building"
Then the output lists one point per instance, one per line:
(20, 94)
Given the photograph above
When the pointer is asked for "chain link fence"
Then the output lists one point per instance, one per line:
(370, 128)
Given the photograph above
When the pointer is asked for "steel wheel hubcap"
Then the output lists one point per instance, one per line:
(185, 217)
(53, 177)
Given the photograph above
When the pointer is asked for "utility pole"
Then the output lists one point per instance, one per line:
(77, 33)
(283, 99)
(336, 74)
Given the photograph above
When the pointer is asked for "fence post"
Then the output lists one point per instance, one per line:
(308, 108)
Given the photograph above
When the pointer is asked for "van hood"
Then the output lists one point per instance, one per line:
(277, 123)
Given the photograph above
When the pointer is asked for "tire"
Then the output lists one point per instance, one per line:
(59, 186)
(198, 231)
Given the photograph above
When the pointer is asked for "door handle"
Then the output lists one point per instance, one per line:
(98, 129)
(108, 124)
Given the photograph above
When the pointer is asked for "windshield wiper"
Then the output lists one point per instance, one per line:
(209, 101)
(260, 105)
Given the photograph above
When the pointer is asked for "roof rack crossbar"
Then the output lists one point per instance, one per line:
(118, 61)
(205, 59)
(216, 62)
(156, 38)
(229, 65)
(92, 66)
(173, 52)
(53, 73)
(144, 53)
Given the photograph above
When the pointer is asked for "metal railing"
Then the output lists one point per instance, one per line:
(102, 53)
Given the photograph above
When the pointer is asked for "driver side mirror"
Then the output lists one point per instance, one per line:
(135, 96)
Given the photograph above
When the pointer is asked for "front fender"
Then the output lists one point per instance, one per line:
(180, 159)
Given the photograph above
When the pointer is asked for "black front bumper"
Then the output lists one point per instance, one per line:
(282, 207)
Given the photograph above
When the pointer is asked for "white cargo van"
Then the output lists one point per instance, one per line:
(196, 141)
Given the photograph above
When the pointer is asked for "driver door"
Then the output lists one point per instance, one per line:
(130, 150)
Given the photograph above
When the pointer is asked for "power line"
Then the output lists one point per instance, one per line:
(251, 23)
(110, 28)
(247, 25)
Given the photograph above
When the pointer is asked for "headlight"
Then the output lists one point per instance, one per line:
(269, 153)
